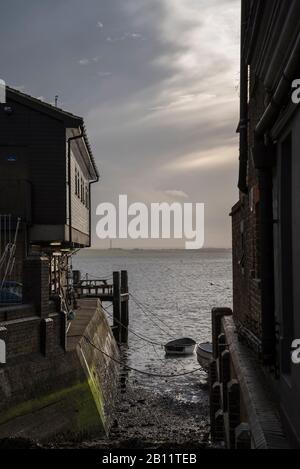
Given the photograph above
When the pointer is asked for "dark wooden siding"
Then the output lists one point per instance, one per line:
(42, 140)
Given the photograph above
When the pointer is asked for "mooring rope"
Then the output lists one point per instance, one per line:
(148, 314)
(150, 341)
(147, 373)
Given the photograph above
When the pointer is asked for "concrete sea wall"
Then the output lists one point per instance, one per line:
(68, 393)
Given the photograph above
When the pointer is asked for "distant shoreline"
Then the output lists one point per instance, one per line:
(137, 250)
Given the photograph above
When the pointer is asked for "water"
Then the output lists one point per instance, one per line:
(178, 287)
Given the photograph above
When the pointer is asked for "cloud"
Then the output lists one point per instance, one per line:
(124, 37)
(100, 25)
(177, 126)
(104, 74)
(86, 61)
(177, 194)
(205, 160)
(21, 88)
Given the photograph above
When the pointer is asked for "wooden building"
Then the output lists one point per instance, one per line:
(52, 382)
(266, 228)
(46, 171)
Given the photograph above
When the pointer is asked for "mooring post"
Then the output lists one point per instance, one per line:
(124, 307)
(117, 306)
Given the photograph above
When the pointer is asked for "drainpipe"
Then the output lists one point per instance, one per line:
(243, 125)
(90, 207)
(70, 140)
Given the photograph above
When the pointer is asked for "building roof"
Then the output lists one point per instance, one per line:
(70, 120)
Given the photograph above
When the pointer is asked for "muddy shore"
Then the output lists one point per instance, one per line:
(146, 420)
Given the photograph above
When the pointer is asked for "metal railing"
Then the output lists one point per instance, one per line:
(10, 261)
(94, 288)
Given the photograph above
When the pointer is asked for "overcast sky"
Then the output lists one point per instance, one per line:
(157, 83)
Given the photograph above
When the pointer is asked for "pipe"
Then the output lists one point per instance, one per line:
(282, 92)
(90, 208)
(243, 125)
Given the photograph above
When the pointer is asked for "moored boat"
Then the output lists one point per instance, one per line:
(183, 346)
(204, 354)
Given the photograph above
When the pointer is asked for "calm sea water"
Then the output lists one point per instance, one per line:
(176, 291)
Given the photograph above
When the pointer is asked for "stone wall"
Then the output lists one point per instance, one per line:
(65, 393)
(243, 407)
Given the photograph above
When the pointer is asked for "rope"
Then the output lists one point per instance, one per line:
(165, 332)
(142, 308)
(156, 375)
(132, 331)
(145, 340)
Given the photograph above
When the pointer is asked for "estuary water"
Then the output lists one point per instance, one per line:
(173, 293)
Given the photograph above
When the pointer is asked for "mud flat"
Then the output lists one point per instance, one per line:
(146, 420)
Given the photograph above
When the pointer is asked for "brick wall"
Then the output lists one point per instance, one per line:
(246, 236)
(36, 327)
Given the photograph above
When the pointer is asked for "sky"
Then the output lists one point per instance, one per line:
(157, 84)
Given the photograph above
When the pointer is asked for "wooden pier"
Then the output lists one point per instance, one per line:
(116, 293)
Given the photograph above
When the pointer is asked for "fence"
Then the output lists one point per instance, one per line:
(10, 260)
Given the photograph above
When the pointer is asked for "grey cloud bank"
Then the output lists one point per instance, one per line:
(160, 100)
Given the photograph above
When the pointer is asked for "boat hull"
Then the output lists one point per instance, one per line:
(180, 347)
(204, 355)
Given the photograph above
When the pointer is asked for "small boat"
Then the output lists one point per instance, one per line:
(204, 354)
(10, 293)
(180, 347)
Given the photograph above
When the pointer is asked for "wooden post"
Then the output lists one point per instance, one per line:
(217, 315)
(36, 284)
(234, 410)
(117, 306)
(217, 417)
(243, 437)
(124, 307)
(225, 375)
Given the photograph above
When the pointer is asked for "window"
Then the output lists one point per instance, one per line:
(81, 190)
(76, 181)
(87, 196)
(78, 184)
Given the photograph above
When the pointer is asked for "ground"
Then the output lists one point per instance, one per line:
(145, 420)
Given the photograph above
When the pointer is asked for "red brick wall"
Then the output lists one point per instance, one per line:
(245, 229)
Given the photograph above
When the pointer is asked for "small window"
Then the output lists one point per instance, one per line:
(76, 181)
(82, 191)
(87, 196)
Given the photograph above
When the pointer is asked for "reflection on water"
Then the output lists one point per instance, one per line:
(175, 292)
